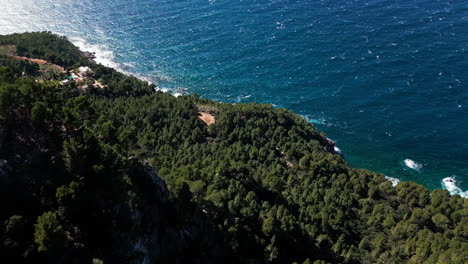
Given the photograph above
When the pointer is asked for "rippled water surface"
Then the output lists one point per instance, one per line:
(385, 79)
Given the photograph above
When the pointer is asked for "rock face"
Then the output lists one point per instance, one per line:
(153, 238)
(145, 226)
(330, 145)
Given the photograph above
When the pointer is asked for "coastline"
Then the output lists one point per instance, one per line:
(143, 45)
(126, 163)
(103, 55)
(106, 57)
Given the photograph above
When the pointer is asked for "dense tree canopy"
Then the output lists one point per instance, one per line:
(125, 174)
(44, 45)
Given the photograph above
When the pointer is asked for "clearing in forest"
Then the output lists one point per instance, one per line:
(207, 118)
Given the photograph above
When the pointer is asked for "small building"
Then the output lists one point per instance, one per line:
(85, 71)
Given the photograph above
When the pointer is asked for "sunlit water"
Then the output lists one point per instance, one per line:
(385, 79)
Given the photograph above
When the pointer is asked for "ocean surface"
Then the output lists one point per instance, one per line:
(385, 79)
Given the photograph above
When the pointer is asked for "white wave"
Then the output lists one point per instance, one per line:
(337, 149)
(279, 25)
(143, 78)
(161, 77)
(163, 89)
(176, 92)
(393, 180)
(103, 54)
(242, 97)
(450, 184)
(339, 56)
(412, 164)
(314, 120)
(129, 64)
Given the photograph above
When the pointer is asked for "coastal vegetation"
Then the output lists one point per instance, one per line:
(123, 173)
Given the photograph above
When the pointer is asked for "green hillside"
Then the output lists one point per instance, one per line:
(102, 168)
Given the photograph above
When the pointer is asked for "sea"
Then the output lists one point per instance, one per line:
(385, 79)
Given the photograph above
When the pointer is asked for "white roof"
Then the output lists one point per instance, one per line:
(84, 69)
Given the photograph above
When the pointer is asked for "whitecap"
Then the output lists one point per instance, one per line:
(450, 184)
(176, 91)
(412, 164)
(279, 25)
(163, 89)
(314, 120)
(161, 77)
(393, 180)
(147, 79)
(179, 91)
(129, 64)
(242, 97)
(337, 149)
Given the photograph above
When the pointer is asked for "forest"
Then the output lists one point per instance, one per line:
(124, 173)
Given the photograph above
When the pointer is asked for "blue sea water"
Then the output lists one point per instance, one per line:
(385, 79)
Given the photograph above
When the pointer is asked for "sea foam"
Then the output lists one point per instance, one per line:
(393, 180)
(450, 184)
(337, 149)
(103, 54)
(412, 164)
(316, 121)
(176, 92)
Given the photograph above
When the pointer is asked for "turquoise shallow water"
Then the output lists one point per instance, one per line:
(385, 79)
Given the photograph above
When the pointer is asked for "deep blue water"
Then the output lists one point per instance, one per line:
(385, 79)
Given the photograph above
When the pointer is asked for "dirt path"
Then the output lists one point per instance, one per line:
(41, 62)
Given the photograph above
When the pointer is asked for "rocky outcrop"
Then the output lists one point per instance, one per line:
(155, 237)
